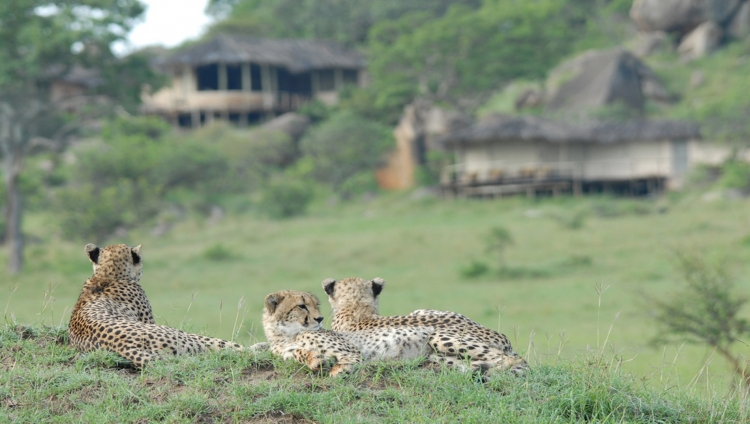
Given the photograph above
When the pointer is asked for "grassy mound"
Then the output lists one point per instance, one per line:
(43, 379)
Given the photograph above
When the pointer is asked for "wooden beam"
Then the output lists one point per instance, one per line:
(247, 77)
(222, 77)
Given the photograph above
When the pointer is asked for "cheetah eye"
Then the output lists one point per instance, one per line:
(303, 307)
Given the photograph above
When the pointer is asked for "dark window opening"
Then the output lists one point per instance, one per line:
(302, 83)
(234, 77)
(234, 118)
(284, 80)
(351, 76)
(327, 80)
(185, 120)
(208, 77)
(254, 118)
(203, 118)
(255, 76)
(294, 83)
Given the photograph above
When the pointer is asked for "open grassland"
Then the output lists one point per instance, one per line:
(213, 278)
(42, 379)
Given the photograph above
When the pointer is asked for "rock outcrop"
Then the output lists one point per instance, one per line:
(739, 26)
(599, 78)
(701, 25)
(701, 41)
(292, 124)
(681, 15)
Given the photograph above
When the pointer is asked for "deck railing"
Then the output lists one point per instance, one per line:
(507, 172)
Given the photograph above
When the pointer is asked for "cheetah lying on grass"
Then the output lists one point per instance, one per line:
(113, 312)
(456, 338)
(292, 324)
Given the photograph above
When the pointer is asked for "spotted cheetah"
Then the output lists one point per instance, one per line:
(456, 338)
(113, 312)
(292, 325)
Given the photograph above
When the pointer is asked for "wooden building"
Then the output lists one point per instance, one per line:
(244, 79)
(527, 154)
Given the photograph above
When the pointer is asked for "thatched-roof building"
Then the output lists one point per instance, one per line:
(505, 154)
(244, 79)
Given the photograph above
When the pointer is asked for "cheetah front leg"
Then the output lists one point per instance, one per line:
(310, 357)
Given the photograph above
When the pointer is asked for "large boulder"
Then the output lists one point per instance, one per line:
(292, 124)
(647, 43)
(600, 78)
(739, 27)
(680, 15)
(701, 41)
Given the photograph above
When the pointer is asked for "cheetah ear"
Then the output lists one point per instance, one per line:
(328, 285)
(377, 285)
(272, 301)
(136, 253)
(93, 252)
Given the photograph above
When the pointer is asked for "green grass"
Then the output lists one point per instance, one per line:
(546, 297)
(42, 379)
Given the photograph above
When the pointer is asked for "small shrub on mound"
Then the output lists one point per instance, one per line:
(475, 269)
(285, 198)
(218, 252)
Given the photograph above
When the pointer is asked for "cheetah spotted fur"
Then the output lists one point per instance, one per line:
(113, 312)
(292, 325)
(456, 339)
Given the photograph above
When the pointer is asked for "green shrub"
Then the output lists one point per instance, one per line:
(361, 183)
(735, 174)
(475, 269)
(91, 214)
(344, 146)
(285, 198)
(152, 127)
(218, 252)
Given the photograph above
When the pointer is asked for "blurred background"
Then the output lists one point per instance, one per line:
(574, 174)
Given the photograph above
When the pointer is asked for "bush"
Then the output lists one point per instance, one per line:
(474, 270)
(361, 183)
(345, 146)
(90, 214)
(735, 174)
(285, 198)
(218, 252)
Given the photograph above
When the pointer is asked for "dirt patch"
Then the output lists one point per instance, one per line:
(264, 372)
(279, 417)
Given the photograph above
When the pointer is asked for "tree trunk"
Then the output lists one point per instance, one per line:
(13, 221)
(11, 142)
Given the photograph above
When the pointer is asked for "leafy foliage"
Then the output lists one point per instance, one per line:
(707, 311)
(498, 240)
(344, 146)
(284, 198)
(347, 22)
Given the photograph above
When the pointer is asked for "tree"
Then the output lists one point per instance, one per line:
(707, 311)
(498, 240)
(462, 56)
(344, 146)
(345, 21)
(41, 41)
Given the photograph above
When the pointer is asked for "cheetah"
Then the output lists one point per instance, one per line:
(455, 338)
(113, 312)
(292, 325)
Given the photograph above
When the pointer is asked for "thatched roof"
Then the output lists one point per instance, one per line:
(533, 128)
(295, 55)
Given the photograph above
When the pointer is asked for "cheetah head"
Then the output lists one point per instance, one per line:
(353, 292)
(117, 262)
(291, 311)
